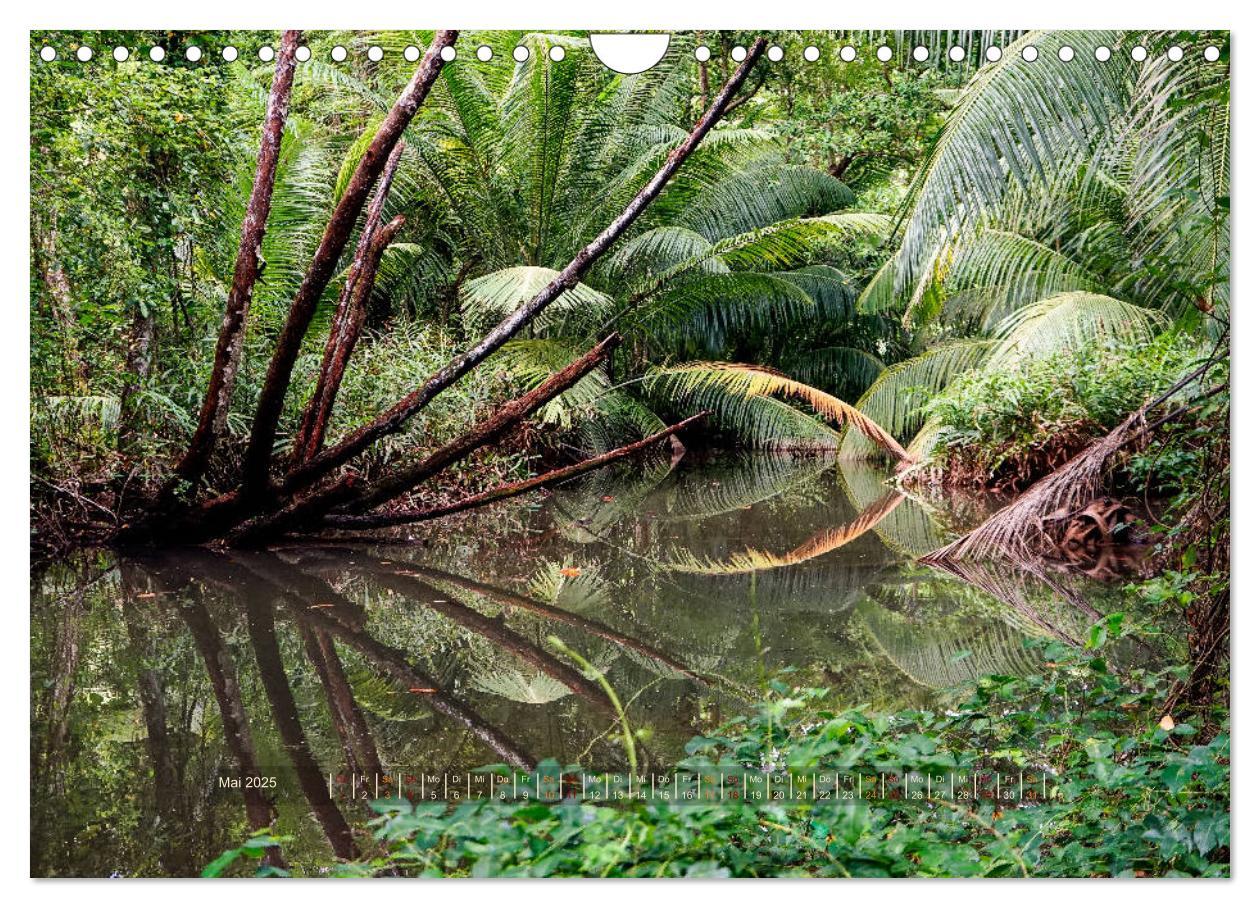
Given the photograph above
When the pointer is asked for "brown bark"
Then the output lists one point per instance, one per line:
(393, 419)
(284, 714)
(349, 316)
(249, 266)
(299, 512)
(840, 167)
(488, 431)
(704, 75)
(257, 463)
(507, 490)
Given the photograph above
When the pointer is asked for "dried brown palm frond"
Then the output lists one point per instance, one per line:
(1018, 531)
(821, 543)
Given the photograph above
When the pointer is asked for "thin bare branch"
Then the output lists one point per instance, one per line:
(509, 489)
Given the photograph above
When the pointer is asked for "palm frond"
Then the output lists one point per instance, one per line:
(486, 300)
(1069, 321)
(941, 655)
(718, 381)
(844, 371)
(1017, 124)
(896, 398)
(751, 200)
(704, 313)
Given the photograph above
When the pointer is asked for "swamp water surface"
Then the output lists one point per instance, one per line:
(688, 585)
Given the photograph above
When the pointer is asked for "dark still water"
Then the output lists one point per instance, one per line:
(688, 586)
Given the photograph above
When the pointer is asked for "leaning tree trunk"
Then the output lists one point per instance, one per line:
(258, 509)
(349, 316)
(249, 266)
(266, 418)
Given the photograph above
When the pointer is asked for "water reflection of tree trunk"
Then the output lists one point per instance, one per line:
(259, 810)
(284, 714)
(347, 718)
(389, 660)
(594, 628)
(417, 590)
(167, 788)
(64, 665)
(48, 762)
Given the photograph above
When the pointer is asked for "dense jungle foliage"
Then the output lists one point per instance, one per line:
(1001, 262)
(872, 230)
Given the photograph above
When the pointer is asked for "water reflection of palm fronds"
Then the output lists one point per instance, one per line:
(387, 700)
(584, 510)
(587, 592)
(827, 586)
(512, 684)
(947, 652)
(1033, 595)
(509, 599)
(736, 485)
(913, 530)
(821, 543)
(520, 685)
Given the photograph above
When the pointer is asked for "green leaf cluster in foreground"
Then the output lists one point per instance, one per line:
(1136, 794)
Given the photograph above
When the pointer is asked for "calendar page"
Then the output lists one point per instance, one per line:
(697, 453)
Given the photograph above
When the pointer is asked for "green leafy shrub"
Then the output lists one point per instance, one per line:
(1007, 428)
(1134, 794)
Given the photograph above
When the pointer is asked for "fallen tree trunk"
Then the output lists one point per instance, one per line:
(507, 490)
